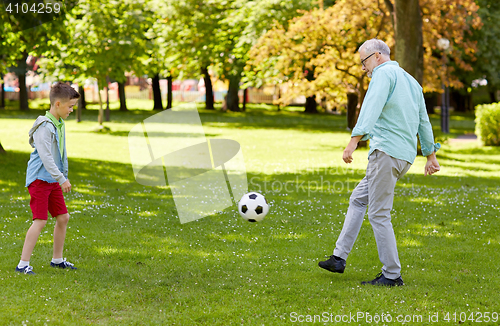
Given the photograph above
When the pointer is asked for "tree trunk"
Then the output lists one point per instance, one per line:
(108, 113)
(233, 102)
(459, 101)
(81, 103)
(493, 97)
(100, 117)
(2, 101)
(279, 96)
(352, 105)
(157, 103)
(430, 102)
(2, 150)
(121, 93)
(169, 92)
(352, 113)
(23, 91)
(407, 21)
(311, 105)
(245, 95)
(209, 91)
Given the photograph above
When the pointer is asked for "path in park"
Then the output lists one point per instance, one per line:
(466, 138)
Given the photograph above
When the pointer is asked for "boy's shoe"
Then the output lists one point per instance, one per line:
(333, 264)
(64, 264)
(26, 270)
(380, 279)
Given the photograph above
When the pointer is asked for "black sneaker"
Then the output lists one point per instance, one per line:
(333, 264)
(380, 279)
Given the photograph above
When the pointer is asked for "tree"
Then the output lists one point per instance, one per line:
(107, 37)
(26, 34)
(486, 63)
(407, 22)
(417, 30)
(317, 54)
(248, 21)
(194, 27)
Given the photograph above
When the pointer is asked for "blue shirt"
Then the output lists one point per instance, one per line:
(393, 113)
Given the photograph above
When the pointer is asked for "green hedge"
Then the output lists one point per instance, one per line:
(488, 124)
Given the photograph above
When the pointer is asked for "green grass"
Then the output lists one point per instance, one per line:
(138, 265)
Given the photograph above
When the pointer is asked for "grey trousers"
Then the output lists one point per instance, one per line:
(377, 191)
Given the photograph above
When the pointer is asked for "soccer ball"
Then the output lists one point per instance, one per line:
(253, 207)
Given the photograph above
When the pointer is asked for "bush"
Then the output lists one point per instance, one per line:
(488, 124)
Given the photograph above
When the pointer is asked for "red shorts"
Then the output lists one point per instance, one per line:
(46, 197)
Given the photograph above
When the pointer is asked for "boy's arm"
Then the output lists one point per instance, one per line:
(43, 143)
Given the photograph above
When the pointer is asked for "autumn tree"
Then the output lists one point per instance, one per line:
(418, 24)
(316, 55)
(243, 27)
(407, 22)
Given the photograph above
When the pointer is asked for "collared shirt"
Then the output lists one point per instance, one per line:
(60, 130)
(393, 113)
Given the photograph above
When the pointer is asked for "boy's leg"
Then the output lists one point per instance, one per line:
(39, 193)
(57, 208)
(60, 234)
(31, 238)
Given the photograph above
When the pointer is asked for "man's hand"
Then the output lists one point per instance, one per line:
(432, 165)
(351, 147)
(66, 186)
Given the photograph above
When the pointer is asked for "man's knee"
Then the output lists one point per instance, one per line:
(357, 200)
(380, 217)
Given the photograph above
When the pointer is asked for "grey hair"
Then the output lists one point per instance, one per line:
(375, 45)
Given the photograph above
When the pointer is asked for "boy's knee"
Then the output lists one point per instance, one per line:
(40, 224)
(63, 218)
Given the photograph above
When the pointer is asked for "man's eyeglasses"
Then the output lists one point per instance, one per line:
(368, 57)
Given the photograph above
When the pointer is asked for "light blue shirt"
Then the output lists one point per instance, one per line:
(393, 113)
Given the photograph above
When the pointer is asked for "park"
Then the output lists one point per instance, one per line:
(139, 265)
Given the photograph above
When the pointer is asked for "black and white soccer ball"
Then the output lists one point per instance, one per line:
(253, 207)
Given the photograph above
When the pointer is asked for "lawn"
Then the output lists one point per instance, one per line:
(137, 265)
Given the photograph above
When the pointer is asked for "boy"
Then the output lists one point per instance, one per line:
(47, 173)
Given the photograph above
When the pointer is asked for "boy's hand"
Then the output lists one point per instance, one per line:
(66, 186)
(432, 165)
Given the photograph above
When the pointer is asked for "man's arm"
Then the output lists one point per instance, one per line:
(351, 147)
(427, 141)
(432, 165)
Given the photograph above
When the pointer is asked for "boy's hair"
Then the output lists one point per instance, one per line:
(62, 91)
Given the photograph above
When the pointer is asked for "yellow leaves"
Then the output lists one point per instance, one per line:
(450, 19)
(324, 42)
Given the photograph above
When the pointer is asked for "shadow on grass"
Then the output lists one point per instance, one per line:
(251, 119)
(133, 230)
(256, 118)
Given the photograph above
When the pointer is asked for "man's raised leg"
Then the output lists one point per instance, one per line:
(353, 220)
